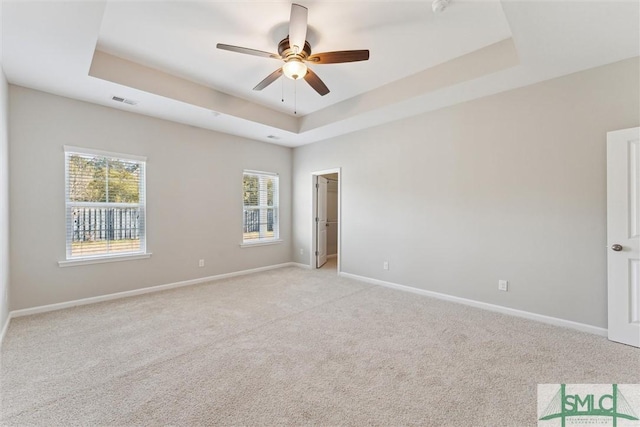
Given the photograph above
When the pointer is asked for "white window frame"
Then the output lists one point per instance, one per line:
(70, 205)
(263, 208)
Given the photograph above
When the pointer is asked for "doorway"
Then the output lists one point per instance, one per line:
(326, 220)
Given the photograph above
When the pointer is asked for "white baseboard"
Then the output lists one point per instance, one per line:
(332, 256)
(5, 327)
(125, 294)
(485, 306)
(300, 265)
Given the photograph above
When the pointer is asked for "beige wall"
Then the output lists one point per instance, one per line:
(4, 193)
(4, 202)
(194, 198)
(510, 186)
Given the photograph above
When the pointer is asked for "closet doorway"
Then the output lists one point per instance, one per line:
(325, 245)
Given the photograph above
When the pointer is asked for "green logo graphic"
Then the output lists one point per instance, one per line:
(614, 406)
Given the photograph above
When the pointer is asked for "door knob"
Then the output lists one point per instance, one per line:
(616, 247)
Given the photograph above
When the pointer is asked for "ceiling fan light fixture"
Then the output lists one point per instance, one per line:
(294, 69)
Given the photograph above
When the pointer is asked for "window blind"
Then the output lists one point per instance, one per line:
(260, 219)
(105, 203)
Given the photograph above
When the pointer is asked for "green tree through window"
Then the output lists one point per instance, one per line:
(89, 181)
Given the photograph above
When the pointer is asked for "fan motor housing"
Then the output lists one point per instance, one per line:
(284, 49)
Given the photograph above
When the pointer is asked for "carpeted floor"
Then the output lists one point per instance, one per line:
(291, 347)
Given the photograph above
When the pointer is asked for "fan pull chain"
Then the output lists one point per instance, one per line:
(295, 97)
(282, 87)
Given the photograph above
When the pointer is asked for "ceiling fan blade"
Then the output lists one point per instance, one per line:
(269, 79)
(298, 27)
(315, 82)
(339, 56)
(248, 51)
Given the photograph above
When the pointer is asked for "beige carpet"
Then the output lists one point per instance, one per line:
(291, 347)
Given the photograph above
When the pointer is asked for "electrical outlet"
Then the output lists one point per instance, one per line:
(201, 263)
(503, 285)
(385, 265)
(301, 251)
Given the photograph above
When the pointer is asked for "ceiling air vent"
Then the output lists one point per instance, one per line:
(125, 100)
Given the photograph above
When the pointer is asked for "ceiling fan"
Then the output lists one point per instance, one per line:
(295, 51)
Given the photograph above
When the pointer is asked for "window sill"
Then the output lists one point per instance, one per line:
(102, 260)
(261, 243)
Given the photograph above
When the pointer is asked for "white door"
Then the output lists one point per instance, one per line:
(321, 221)
(623, 231)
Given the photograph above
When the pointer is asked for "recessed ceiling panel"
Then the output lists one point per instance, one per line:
(404, 38)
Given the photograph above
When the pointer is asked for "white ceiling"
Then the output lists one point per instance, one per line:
(163, 55)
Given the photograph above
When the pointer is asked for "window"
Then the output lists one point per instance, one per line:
(260, 214)
(105, 204)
